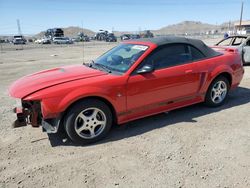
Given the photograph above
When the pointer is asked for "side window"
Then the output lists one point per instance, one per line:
(170, 55)
(248, 42)
(196, 54)
(238, 41)
(225, 42)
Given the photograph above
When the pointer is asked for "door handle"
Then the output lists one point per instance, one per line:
(188, 71)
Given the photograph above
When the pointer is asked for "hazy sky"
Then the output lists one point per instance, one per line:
(129, 15)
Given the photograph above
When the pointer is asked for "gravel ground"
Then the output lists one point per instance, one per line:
(191, 147)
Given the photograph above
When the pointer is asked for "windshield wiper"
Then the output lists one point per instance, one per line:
(103, 67)
(91, 64)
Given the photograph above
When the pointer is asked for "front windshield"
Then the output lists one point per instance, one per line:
(122, 57)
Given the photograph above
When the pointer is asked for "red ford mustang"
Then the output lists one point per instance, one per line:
(133, 80)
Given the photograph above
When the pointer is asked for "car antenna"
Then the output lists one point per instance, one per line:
(83, 62)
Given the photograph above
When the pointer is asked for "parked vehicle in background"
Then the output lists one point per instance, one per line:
(38, 41)
(239, 42)
(135, 79)
(77, 39)
(105, 36)
(19, 39)
(83, 38)
(101, 35)
(45, 41)
(135, 36)
(130, 36)
(147, 34)
(62, 40)
(125, 37)
(6, 40)
(55, 32)
(2, 40)
(111, 38)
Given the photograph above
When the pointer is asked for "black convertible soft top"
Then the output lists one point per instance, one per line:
(160, 41)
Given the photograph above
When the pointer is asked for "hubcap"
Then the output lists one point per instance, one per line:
(219, 92)
(90, 123)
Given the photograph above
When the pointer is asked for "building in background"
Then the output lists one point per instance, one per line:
(242, 29)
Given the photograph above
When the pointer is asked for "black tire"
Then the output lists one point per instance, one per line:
(210, 93)
(85, 106)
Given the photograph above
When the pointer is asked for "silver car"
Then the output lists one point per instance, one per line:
(241, 42)
(62, 40)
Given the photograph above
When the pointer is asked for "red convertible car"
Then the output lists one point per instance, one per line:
(133, 80)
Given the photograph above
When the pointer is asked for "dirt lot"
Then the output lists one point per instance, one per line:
(191, 147)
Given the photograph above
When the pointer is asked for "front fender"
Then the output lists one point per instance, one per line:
(81, 93)
(56, 102)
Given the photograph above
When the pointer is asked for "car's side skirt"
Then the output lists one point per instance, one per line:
(138, 113)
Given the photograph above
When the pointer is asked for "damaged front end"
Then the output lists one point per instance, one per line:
(28, 112)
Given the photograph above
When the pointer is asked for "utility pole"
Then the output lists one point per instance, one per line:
(1, 47)
(19, 31)
(241, 13)
(19, 27)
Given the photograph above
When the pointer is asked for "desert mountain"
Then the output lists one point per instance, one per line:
(189, 27)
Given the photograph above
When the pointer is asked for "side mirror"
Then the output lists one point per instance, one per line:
(145, 69)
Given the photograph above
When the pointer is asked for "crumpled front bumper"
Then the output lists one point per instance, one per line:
(31, 117)
(21, 117)
(28, 113)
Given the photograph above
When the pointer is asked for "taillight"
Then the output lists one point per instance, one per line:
(232, 50)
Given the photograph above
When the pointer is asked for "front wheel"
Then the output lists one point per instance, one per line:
(217, 92)
(88, 121)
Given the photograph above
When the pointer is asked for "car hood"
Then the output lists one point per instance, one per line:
(47, 78)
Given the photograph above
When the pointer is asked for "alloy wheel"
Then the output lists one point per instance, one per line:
(219, 92)
(90, 123)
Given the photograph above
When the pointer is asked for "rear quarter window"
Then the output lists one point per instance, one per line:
(196, 54)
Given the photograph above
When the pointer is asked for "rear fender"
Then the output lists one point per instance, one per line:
(215, 73)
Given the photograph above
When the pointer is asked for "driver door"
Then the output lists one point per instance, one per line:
(171, 81)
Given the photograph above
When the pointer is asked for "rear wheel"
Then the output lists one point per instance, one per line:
(217, 92)
(88, 121)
